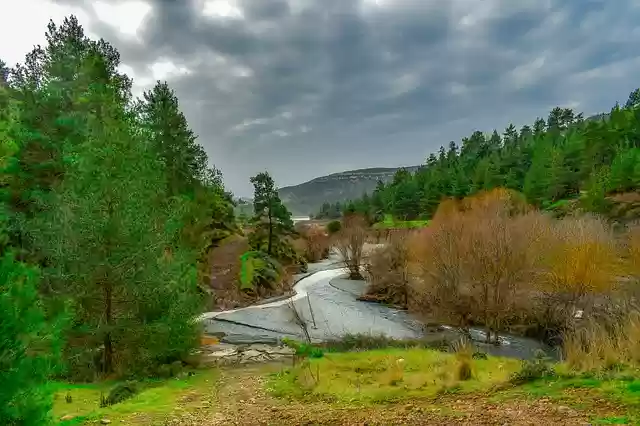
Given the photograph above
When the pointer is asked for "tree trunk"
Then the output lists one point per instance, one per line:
(270, 242)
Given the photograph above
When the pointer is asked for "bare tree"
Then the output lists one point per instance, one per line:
(316, 243)
(350, 242)
(388, 270)
(477, 258)
(439, 257)
(499, 263)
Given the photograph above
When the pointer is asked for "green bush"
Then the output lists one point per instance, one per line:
(120, 392)
(538, 368)
(334, 227)
(29, 347)
(258, 270)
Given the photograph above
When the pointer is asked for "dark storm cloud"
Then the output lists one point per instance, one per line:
(308, 87)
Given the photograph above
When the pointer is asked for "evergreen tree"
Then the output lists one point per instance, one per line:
(29, 347)
(110, 233)
(272, 220)
(625, 171)
(29, 340)
(634, 99)
(184, 160)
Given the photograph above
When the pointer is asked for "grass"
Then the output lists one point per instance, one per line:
(367, 342)
(558, 204)
(387, 375)
(393, 382)
(390, 223)
(596, 347)
(414, 374)
(614, 392)
(157, 400)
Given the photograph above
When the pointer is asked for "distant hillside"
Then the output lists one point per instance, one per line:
(308, 197)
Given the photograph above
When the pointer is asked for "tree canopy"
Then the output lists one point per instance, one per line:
(108, 207)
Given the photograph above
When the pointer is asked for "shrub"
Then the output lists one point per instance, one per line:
(464, 353)
(388, 271)
(538, 368)
(259, 272)
(303, 350)
(317, 244)
(580, 265)
(334, 227)
(120, 392)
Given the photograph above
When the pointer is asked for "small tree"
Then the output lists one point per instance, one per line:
(271, 219)
(350, 242)
(388, 270)
(440, 253)
(498, 260)
(475, 258)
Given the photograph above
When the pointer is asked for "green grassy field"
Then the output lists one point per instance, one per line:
(150, 406)
(376, 377)
(388, 375)
(383, 386)
(618, 391)
(390, 223)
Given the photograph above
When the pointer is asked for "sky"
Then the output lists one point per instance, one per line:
(304, 88)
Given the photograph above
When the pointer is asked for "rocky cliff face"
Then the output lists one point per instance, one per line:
(308, 197)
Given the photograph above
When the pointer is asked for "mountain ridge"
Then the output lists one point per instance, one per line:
(307, 197)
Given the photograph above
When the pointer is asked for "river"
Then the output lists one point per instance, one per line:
(326, 303)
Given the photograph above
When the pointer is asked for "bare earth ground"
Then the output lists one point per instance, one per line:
(242, 399)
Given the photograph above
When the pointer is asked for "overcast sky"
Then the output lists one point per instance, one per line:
(304, 88)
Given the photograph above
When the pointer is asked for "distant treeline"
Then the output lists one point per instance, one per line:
(553, 159)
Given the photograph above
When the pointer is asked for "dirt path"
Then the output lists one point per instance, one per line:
(242, 399)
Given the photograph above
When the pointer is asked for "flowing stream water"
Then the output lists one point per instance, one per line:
(326, 303)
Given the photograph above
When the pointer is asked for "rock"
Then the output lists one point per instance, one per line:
(239, 339)
(105, 421)
(67, 417)
(225, 353)
(218, 347)
(194, 359)
(252, 353)
(563, 409)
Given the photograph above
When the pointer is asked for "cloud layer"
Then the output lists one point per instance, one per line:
(308, 87)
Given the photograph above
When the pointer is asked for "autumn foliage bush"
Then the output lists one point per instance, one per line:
(492, 260)
(475, 259)
(316, 243)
